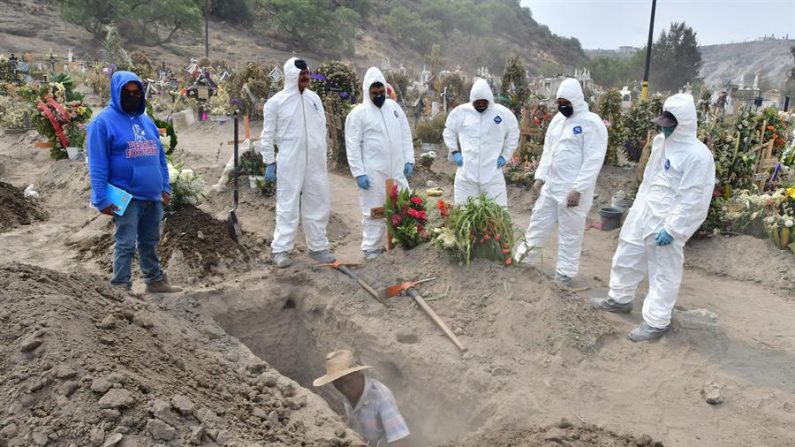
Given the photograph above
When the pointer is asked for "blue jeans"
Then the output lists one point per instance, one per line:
(141, 223)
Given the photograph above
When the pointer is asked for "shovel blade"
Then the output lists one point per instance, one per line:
(233, 227)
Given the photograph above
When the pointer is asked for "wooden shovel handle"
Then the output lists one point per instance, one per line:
(436, 319)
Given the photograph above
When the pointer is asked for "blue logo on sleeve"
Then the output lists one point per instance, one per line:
(667, 164)
(396, 114)
(577, 130)
(498, 119)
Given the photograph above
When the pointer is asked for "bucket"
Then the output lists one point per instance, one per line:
(611, 218)
(73, 152)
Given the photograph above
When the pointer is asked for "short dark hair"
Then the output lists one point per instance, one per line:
(376, 84)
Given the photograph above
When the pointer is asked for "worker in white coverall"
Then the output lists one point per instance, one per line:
(481, 137)
(296, 122)
(672, 202)
(379, 146)
(574, 151)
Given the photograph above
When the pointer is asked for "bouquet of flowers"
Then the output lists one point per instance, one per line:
(186, 186)
(406, 217)
(481, 228)
(781, 217)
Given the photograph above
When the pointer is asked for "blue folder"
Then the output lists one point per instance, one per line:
(120, 198)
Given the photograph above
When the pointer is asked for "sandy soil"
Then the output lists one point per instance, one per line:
(536, 352)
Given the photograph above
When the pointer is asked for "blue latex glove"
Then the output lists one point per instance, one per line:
(663, 238)
(458, 159)
(270, 173)
(500, 161)
(363, 181)
(408, 169)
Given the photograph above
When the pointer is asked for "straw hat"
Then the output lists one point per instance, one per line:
(338, 364)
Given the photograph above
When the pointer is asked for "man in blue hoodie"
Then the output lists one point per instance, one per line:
(124, 151)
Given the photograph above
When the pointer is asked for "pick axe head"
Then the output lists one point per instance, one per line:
(398, 289)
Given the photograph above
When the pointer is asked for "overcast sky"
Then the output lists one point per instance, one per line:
(612, 23)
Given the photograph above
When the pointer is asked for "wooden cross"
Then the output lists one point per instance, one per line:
(379, 212)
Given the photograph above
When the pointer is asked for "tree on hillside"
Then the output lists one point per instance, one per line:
(313, 24)
(149, 22)
(676, 59)
(789, 87)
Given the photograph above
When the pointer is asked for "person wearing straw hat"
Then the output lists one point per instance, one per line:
(370, 407)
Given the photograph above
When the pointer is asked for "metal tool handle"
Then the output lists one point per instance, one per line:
(234, 179)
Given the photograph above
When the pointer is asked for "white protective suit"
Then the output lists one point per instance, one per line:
(675, 194)
(296, 123)
(378, 143)
(481, 138)
(574, 151)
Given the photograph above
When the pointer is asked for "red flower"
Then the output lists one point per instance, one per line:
(396, 220)
(443, 210)
(416, 214)
(394, 193)
(416, 200)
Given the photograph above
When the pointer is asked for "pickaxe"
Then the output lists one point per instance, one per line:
(408, 287)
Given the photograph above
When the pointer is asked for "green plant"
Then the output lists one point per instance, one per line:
(430, 131)
(480, 228)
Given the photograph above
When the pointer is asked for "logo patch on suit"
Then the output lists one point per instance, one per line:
(396, 114)
(498, 119)
(316, 108)
(667, 164)
(577, 130)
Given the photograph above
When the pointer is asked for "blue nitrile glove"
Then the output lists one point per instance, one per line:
(500, 161)
(458, 159)
(408, 169)
(270, 173)
(363, 181)
(663, 238)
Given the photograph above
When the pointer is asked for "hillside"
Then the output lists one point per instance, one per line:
(727, 62)
(36, 26)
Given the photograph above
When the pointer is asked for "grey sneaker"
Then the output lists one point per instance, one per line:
(370, 255)
(644, 332)
(322, 256)
(282, 259)
(563, 279)
(610, 305)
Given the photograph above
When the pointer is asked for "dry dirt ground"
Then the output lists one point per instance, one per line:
(537, 354)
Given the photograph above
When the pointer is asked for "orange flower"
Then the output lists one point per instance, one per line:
(509, 261)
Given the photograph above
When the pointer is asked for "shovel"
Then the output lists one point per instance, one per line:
(232, 224)
(348, 272)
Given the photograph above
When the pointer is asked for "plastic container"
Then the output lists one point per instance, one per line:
(73, 153)
(620, 201)
(611, 218)
(252, 180)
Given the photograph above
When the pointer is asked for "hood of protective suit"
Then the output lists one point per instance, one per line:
(372, 76)
(683, 107)
(117, 83)
(571, 90)
(481, 90)
(291, 74)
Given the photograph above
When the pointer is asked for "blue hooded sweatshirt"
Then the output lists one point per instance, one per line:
(124, 150)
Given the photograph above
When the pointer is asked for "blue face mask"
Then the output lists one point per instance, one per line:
(667, 131)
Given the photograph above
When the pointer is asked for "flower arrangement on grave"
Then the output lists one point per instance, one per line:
(427, 158)
(521, 173)
(336, 80)
(480, 228)
(406, 218)
(58, 115)
(187, 188)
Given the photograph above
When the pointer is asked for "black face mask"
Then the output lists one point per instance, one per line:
(566, 110)
(378, 100)
(130, 104)
(481, 109)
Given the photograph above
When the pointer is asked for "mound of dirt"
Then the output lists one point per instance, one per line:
(195, 244)
(96, 244)
(561, 434)
(16, 209)
(85, 364)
